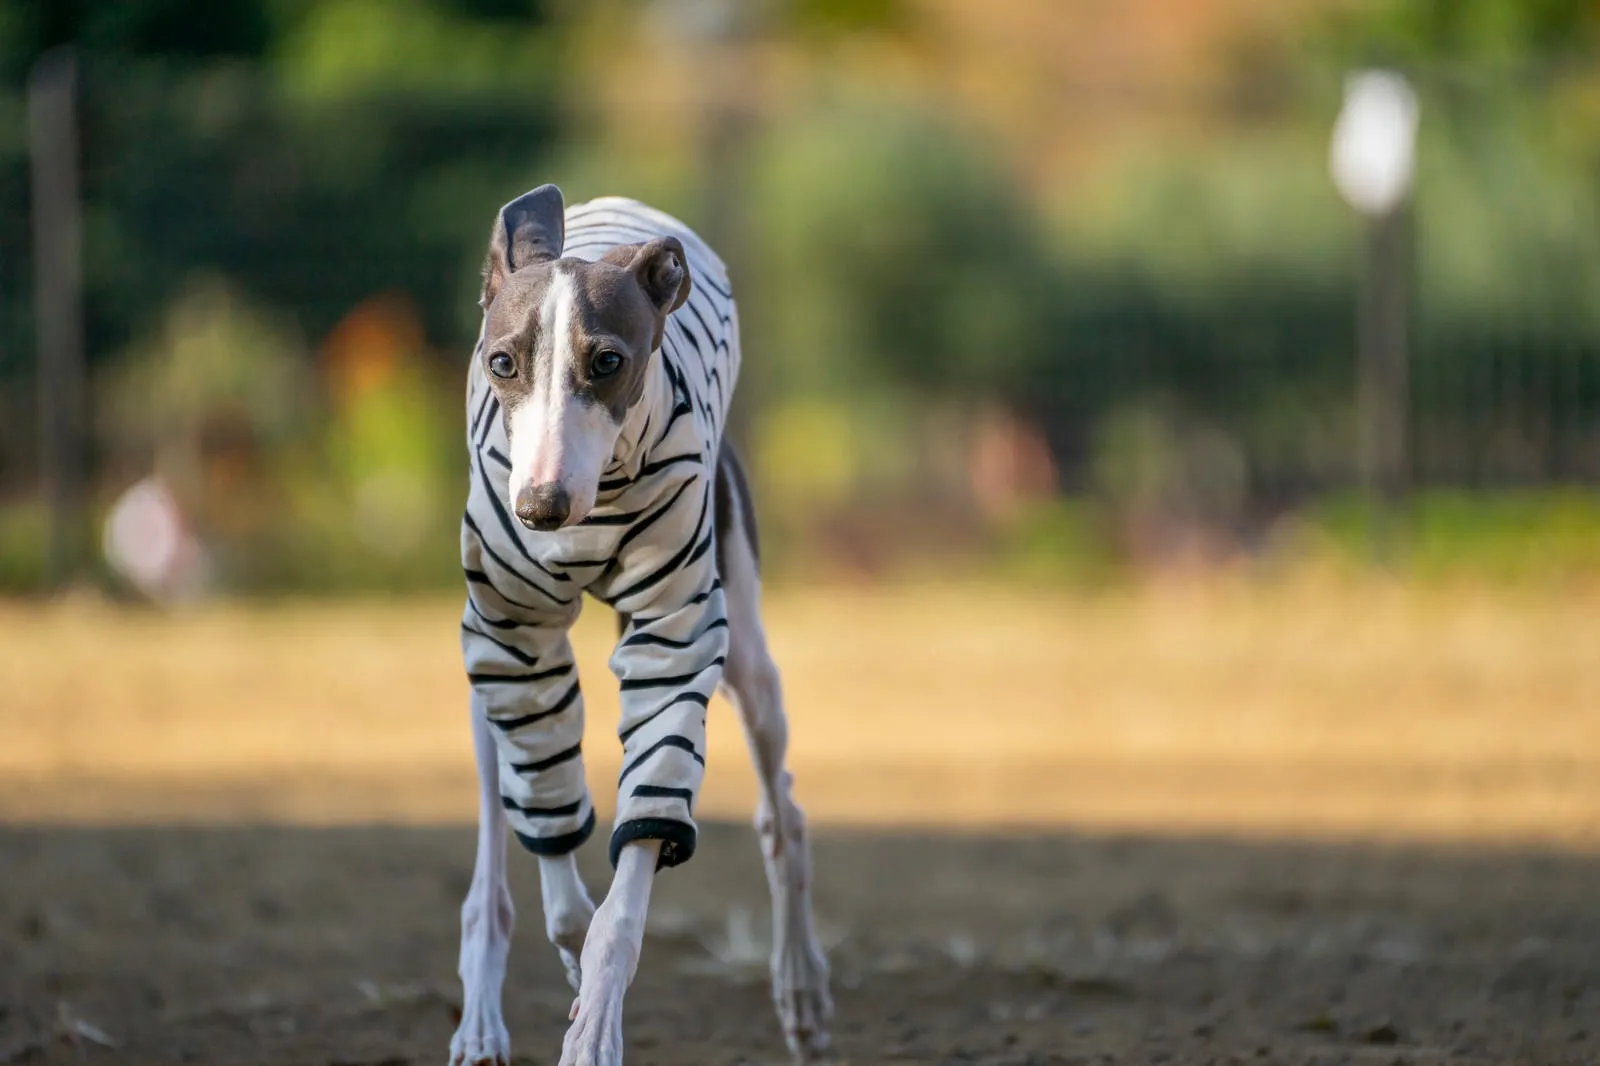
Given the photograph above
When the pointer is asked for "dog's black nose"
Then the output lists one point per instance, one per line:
(543, 507)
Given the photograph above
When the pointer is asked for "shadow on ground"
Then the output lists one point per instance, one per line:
(316, 947)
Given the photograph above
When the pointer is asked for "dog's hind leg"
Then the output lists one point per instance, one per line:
(750, 681)
(567, 910)
(487, 918)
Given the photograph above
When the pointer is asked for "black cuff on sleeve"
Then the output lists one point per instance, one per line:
(677, 839)
(553, 846)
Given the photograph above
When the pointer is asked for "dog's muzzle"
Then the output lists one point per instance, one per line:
(543, 507)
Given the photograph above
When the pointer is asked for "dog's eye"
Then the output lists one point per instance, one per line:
(605, 363)
(502, 365)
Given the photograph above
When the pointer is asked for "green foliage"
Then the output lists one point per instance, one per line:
(165, 31)
(1511, 538)
(24, 532)
(215, 354)
(1495, 32)
(377, 44)
(831, 17)
(1148, 462)
(891, 256)
(1177, 320)
(1070, 542)
(341, 48)
(1508, 221)
(1198, 218)
(1216, 276)
(1549, 536)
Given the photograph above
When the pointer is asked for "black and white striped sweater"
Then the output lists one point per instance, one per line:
(646, 549)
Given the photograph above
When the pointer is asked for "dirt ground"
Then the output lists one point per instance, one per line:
(315, 947)
(1176, 826)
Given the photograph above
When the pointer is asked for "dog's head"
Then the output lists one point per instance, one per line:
(566, 347)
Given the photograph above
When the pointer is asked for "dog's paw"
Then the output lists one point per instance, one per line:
(567, 932)
(800, 995)
(595, 1036)
(481, 1039)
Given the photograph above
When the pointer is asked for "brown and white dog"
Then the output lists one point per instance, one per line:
(596, 401)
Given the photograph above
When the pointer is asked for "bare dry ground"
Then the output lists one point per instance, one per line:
(1188, 823)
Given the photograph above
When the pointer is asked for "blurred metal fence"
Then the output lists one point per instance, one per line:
(1513, 402)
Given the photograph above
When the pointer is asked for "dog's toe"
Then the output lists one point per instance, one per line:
(481, 1039)
(804, 1014)
(800, 995)
(595, 1037)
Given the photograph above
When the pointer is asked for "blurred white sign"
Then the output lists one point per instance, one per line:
(1373, 155)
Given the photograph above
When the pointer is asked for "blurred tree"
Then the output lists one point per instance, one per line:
(832, 18)
(893, 253)
(339, 48)
(218, 369)
(309, 154)
(168, 30)
(316, 152)
(1457, 33)
(1113, 220)
(312, 207)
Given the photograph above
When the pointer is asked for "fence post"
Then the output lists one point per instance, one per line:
(1384, 379)
(1373, 160)
(58, 306)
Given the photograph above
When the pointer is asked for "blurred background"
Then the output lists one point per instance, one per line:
(1052, 289)
(1170, 444)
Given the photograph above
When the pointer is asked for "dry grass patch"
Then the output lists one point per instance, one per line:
(1308, 709)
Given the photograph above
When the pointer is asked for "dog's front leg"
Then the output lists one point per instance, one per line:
(610, 958)
(486, 920)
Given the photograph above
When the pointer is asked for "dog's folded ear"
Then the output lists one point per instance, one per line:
(661, 268)
(530, 229)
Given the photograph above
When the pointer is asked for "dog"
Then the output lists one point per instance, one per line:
(596, 401)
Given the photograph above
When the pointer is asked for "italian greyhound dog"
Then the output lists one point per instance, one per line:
(596, 401)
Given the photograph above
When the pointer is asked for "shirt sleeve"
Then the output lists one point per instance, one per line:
(669, 661)
(525, 683)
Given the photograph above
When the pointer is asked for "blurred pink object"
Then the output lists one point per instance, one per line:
(1009, 465)
(149, 544)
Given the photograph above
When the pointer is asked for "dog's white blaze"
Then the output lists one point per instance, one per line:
(589, 437)
(557, 437)
(535, 424)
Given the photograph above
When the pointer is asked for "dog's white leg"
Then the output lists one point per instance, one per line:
(610, 958)
(487, 918)
(751, 682)
(567, 910)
